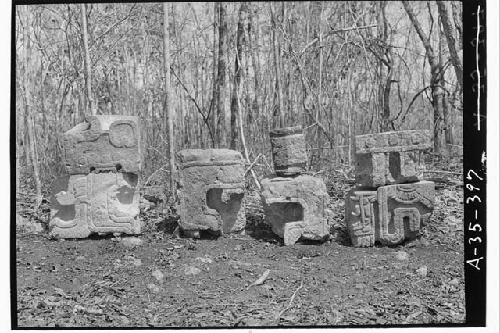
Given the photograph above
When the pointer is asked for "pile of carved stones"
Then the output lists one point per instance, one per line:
(389, 204)
(294, 203)
(99, 193)
(103, 161)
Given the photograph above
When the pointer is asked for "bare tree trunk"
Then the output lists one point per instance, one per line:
(168, 99)
(221, 77)
(30, 121)
(385, 58)
(215, 86)
(240, 40)
(445, 105)
(450, 39)
(253, 43)
(436, 89)
(88, 74)
(319, 135)
(278, 112)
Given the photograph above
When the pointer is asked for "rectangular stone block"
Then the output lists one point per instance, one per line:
(289, 151)
(361, 214)
(378, 169)
(103, 143)
(294, 207)
(389, 215)
(390, 157)
(94, 203)
(211, 188)
(403, 209)
(394, 141)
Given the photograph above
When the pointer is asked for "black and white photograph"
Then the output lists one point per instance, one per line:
(249, 164)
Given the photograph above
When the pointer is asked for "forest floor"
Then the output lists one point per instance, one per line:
(178, 282)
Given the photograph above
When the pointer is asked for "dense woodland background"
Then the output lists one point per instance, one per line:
(227, 73)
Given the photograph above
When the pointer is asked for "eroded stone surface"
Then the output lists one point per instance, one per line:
(361, 215)
(289, 150)
(94, 203)
(211, 190)
(390, 157)
(294, 207)
(379, 169)
(389, 215)
(394, 141)
(403, 209)
(103, 143)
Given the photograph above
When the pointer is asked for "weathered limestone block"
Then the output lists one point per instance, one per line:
(289, 151)
(103, 143)
(395, 141)
(361, 214)
(389, 215)
(211, 190)
(390, 157)
(294, 207)
(403, 209)
(94, 203)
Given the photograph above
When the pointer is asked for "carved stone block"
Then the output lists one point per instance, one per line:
(211, 190)
(289, 151)
(294, 207)
(390, 157)
(361, 214)
(390, 215)
(103, 143)
(94, 203)
(379, 169)
(403, 209)
(394, 141)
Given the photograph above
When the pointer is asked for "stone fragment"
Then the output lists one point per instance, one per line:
(103, 143)
(289, 151)
(191, 270)
(390, 215)
(153, 287)
(390, 157)
(294, 207)
(211, 190)
(422, 271)
(394, 141)
(94, 203)
(360, 215)
(158, 275)
(402, 255)
(131, 242)
(403, 209)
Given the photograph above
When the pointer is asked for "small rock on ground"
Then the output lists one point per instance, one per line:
(131, 242)
(153, 287)
(402, 255)
(422, 271)
(158, 275)
(191, 270)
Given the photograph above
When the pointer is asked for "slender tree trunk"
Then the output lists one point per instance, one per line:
(253, 43)
(88, 74)
(450, 39)
(220, 105)
(215, 87)
(445, 105)
(278, 112)
(385, 68)
(30, 121)
(436, 89)
(240, 40)
(168, 99)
